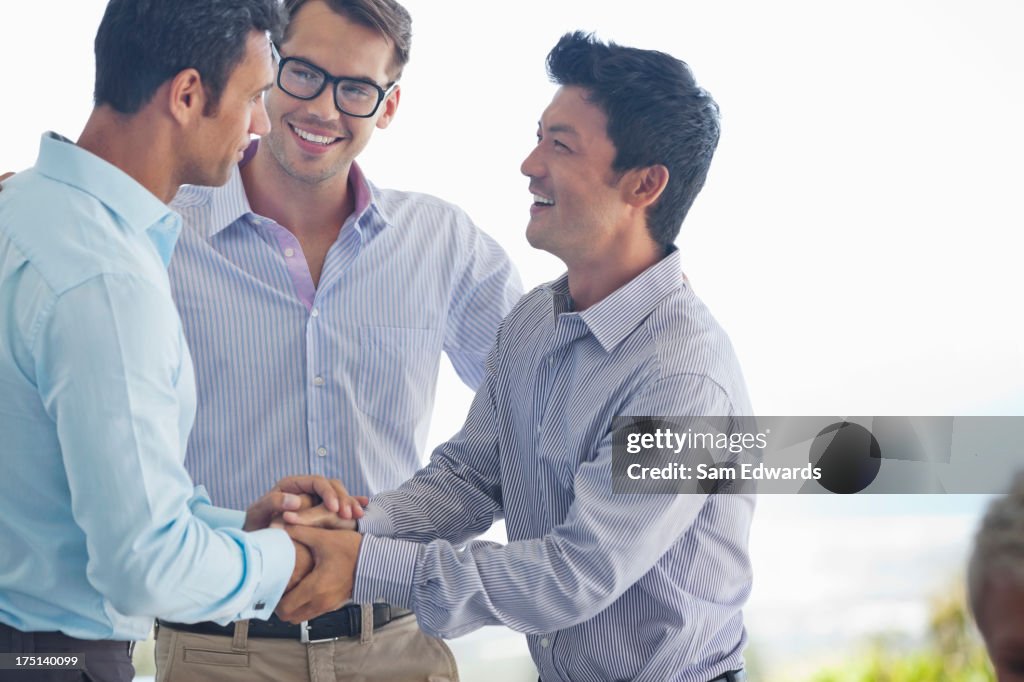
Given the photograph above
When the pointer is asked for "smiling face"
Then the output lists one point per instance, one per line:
(1001, 622)
(578, 207)
(221, 138)
(310, 140)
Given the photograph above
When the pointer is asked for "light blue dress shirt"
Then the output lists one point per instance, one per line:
(606, 587)
(336, 379)
(100, 527)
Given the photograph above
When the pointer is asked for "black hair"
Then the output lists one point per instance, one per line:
(141, 44)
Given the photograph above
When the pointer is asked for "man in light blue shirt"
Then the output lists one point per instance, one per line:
(100, 526)
(605, 586)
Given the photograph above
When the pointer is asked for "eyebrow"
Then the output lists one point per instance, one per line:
(309, 61)
(560, 128)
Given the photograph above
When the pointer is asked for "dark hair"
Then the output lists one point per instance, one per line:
(386, 17)
(657, 114)
(143, 43)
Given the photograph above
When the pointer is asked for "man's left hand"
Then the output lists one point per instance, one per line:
(302, 492)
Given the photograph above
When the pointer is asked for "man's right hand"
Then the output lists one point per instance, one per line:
(329, 584)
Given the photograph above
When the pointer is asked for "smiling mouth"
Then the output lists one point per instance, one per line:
(313, 138)
(539, 200)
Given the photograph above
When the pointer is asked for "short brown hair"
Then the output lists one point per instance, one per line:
(387, 17)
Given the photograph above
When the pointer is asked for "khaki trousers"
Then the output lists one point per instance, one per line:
(397, 652)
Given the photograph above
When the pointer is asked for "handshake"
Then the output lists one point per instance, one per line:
(320, 517)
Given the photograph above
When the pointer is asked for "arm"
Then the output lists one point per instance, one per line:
(458, 494)
(485, 291)
(603, 546)
(110, 360)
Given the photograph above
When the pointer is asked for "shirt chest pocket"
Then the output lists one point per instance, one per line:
(397, 372)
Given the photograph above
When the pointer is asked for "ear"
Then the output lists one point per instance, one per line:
(643, 186)
(390, 106)
(186, 97)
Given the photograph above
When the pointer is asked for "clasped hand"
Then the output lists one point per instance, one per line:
(325, 556)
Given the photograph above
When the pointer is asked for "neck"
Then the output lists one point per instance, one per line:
(593, 276)
(301, 207)
(118, 138)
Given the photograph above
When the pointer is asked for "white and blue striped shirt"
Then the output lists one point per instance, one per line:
(337, 381)
(606, 587)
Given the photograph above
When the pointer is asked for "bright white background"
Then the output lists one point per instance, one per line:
(859, 236)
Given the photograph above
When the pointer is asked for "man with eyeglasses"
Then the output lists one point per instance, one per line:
(316, 306)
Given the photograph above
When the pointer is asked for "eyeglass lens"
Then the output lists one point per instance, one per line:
(351, 96)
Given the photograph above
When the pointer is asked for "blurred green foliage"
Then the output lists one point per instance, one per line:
(953, 651)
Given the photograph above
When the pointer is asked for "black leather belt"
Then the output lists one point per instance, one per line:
(345, 622)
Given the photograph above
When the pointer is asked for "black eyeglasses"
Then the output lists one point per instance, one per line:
(352, 96)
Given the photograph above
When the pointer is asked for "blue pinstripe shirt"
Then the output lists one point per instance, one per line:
(606, 587)
(339, 380)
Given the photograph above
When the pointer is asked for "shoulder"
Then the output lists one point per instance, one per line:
(203, 209)
(193, 196)
(526, 315)
(67, 235)
(419, 211)
(691, 346)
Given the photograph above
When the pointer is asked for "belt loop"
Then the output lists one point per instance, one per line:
(366, 632)
(241, 637)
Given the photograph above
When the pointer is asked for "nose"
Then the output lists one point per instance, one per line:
(532, 167)
(322, 106)
(259, 124)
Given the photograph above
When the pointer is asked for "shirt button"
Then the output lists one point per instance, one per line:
(318, 381)
(322, 451)
(259, 606)
(551, 361)
(545, 643)
(315, 312)
(289, 252)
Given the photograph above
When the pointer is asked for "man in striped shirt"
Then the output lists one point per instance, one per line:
(605, 586)
(316, 306)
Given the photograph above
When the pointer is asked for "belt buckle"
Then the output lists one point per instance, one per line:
(304, 635)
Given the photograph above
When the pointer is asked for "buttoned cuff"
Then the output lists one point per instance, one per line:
(384, 571)
(277, 558)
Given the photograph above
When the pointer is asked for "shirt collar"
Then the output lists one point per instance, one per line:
(618, 315)
(230, 202)
(367, 218)
(224, 204)
(66, 162)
